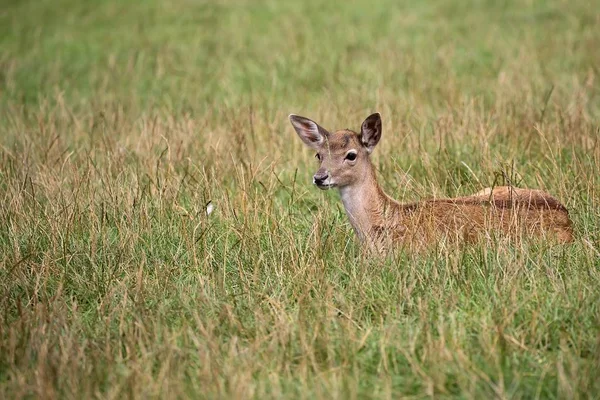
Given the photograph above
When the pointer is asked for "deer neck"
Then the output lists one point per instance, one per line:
(367, 205)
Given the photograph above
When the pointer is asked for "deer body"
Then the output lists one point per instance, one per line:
(380, 221)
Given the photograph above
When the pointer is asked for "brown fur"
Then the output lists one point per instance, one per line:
(380, 221)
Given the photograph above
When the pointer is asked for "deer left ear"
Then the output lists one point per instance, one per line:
(370, 131)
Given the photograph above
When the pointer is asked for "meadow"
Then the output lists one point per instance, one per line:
(121, 120)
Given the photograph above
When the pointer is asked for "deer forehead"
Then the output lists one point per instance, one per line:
(342, 141)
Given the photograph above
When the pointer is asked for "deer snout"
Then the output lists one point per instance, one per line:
(322, 179)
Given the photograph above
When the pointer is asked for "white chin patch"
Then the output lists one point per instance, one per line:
(328, 184)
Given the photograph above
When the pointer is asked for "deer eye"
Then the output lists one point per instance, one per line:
(351, 156)
(318, 156)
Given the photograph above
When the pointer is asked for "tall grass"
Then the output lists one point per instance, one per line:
(120, 121)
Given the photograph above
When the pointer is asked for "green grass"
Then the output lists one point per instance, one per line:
(120, 120)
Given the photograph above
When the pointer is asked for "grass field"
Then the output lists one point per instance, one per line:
(120, 120)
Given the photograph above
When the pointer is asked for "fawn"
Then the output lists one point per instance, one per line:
(380, 221)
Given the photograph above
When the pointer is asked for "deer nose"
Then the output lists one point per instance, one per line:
(320, 178)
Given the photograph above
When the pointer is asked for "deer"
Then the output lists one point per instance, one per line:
(382, 222)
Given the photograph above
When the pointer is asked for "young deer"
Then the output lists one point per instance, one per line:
(381, 221)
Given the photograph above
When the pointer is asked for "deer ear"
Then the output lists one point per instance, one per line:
(309, 131)
(370, 131)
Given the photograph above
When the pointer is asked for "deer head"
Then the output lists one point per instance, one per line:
(343, 155)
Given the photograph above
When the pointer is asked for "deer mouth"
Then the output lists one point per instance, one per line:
(325, 186)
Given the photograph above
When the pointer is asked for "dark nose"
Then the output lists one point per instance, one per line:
(320, 178)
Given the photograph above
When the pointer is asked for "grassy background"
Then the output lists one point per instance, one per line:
(120, 120)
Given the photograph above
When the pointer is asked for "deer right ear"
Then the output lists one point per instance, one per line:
(309, 131)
